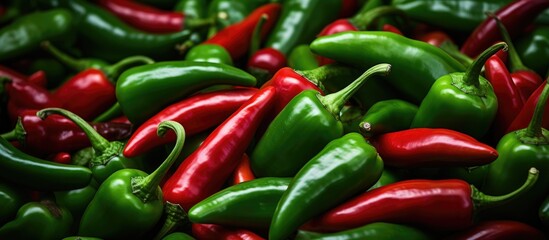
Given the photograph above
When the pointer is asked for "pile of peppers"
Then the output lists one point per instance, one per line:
(274, 119)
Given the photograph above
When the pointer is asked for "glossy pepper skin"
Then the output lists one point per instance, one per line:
(343, 168)
(47, 220)
(498, 229)
(250, 204)
(76, 200)
(199, 112)
(432, 147)
(164, 83)
(11, 199)
(213, 231)
(387, 116)
(34, 173)
(380, 230)
(532, 48)
(299, 123)
(229, 12)
(448, 204)
(301, 58)
(130, 199)
(108, 157)
(206, 170)
(519, 150)
(209, 53)
(25, 34)
(524, 117)
(39, 77)
(243, 171)
(461, 101)
(367, 48)
(26, 95)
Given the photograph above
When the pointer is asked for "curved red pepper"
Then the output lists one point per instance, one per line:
(516, 16)
(197, 113)
(26, 95)
(236, 38)
(243, 172)
(213, 231)
(527, 81)
(38, 78)
(499, 229)
(206, 170)
(432, 147)
(87, 94)
(525, 115)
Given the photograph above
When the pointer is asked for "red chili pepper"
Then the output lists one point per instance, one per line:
(516, 16)
(87, 94)
(437, 204)
(121, 119)
(510, 99)
(432, 147)
(38, 78)
(243, 172)
(435, 38)
(206, 170)
(148, 18)
(58, 134)
(62, 157)
(236, 38)
(268, 59)
(525, 115)
(218, 232)
(26, 95)
(390, 28)
(499, 229)
(197, 113)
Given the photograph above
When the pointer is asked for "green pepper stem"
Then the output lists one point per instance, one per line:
(334, 102)
(18, 133)
(98, 142)
(482, 201)
(113, 71)
(452, 50)
(472, 74)
(114, 111)
(175, 215)
(256, 34)
(535, 128)
(75, 64)
(514, 59)
(145, 189)
(326, 72)
(364, 20)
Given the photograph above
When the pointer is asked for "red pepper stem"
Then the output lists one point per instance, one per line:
(334, 102)
(175, 215)
(146, 188)
(113, 71)
(473, 72)
(535, 128)
(514, 59)
(98, 142)
(364, 20)
(73, 63)
(18, 133)
(255, 44)
(114, 111)
(482, 201)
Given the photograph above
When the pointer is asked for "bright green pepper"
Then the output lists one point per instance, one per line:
(413, 72)
(250, 204)
(518, 151)
(464, 102)
(209, 53)
(380, 231)
(25, 34)
(301, 58)
(343, 168)
(11, 199)
(293, 138)
(108, 157)
(533, 49)
(38, 220)
(129, 203)
(144, 90)
(387, 116)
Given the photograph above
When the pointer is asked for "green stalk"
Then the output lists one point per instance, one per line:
(255, 43)
(535, 129)
(514, 59)
(472, 74)
(113, 71)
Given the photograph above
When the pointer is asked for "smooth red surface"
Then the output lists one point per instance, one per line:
(38, 78)
(243, 172)
(525, 115)
(526, 81)
(26, 95)
(268, 59)
(499, 230)
(390, 28)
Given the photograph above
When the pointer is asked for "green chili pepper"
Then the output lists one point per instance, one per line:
(380, 231)
(250, 204)
(129, 203)
(38, 220)
(298, 125)
(209, 53)
(533, 49)
(413, 72)
(76, 200)
(108, 157)
(25, 34)
(11, 199)
(144, 90)
(192, 9)
(345, 167)
(178, 236)
(301, 58)
(464, 102)
(387, 116)
(228, 12)
(520, 150)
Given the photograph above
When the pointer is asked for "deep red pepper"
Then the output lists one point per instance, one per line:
(197, 113)
(499, 229)
(26, 95)
(516, 16)
(58, 134)
(62, 157)
(213, 231)
(206, 170)
(525, 115)
(236, 38)
(435, 38)
(87, 94)
(243, 172)
(268, 59)
(390, 28)
(448, 204)
(38, 78)
(432, 147)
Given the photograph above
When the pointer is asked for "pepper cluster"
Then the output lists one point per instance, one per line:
(274, 119)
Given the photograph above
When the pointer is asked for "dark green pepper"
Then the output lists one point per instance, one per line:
(250, 204)
(129, 203)
(387, 177)
(413, 72)
(379, 231)
(144, 90)
(387, 116)
(533, 49)
(108, 157)
(76, 200)
(293, 138)
(209, 53)
(11, 200)
(25, 34)
(461, 101)
(38, 220)
(345, 167)
(178, 236)
(301, 58)
(544, 212)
